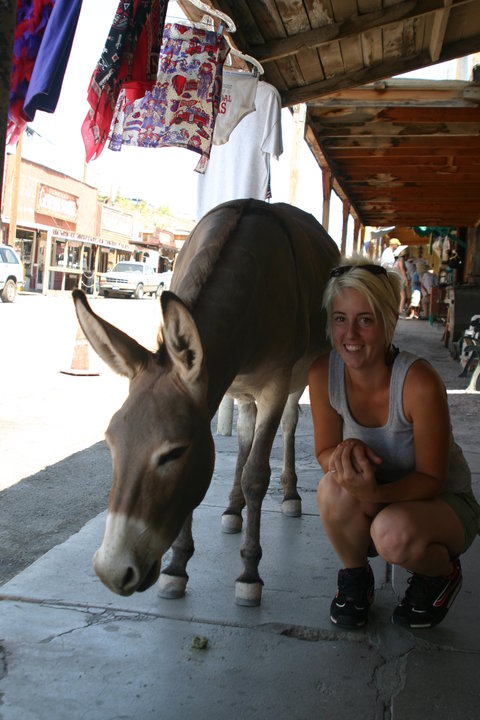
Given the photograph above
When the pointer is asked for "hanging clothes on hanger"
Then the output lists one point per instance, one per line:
(31, 23)
(238, 101)
(181, 109)
(241, 167)
(131, 52)
(49, 70)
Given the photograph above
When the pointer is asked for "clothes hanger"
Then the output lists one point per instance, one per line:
(226, 19)
(248, 59)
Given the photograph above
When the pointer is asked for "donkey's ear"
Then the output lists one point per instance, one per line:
(181, 337)
(123, 354)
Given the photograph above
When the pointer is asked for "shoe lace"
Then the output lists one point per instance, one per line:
(422, 589)
(353, 587)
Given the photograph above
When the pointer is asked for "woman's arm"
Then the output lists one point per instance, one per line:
(327, 423)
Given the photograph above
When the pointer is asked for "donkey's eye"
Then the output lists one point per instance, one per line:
(171, 455)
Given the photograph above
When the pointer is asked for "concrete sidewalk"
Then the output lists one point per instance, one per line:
(71, 649)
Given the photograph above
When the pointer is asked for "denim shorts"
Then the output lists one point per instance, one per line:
(468, 510)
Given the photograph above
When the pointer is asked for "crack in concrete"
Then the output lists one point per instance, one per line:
(3, 664)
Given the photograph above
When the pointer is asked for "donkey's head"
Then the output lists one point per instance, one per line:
(160, 441)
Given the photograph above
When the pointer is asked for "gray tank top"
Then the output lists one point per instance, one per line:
(394, 441)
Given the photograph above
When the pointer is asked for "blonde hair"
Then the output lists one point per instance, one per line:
(382, 292)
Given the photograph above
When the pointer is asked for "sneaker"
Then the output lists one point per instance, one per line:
(428, 599)
(350, 606)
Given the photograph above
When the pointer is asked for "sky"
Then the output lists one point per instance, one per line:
(162, 176)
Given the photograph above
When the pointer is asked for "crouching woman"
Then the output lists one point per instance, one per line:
(395, 482)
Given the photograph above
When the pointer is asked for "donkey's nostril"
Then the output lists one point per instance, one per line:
(129, 578)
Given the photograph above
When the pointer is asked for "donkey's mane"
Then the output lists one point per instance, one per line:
(202, 250)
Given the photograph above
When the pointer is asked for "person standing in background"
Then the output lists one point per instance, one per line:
(387, 259)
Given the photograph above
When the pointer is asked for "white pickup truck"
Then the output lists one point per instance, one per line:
(133, 279)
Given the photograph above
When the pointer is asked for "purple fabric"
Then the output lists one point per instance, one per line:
(49, 69)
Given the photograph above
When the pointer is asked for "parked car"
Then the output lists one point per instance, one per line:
(12, 274)
(165, 280)
(133, 279)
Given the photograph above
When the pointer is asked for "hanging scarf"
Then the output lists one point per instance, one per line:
(131, 52)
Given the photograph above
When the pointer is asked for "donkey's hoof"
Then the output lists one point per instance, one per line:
(292, 508)
(231, 523)
(249, 594)
(171, 586)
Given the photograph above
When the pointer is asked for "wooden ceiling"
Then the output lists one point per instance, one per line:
(310, 48)
(402, 152)
(414, 161)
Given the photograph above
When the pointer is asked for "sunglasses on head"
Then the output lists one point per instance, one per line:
(372, 269)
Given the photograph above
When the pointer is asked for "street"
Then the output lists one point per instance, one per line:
(55, 472)
(57, 414)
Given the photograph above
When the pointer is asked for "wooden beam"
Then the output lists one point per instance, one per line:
(312, 39)
(400, 143)
(381, 71)
(440, 22)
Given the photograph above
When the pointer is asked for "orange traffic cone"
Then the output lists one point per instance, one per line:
(80, 364)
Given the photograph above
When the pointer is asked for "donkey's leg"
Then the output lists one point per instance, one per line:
(173, 579)
(292, 502)
(232, 517)
(255, 479)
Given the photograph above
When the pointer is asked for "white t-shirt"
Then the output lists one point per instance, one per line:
(387, 259)
(241, 167)
(238, 101)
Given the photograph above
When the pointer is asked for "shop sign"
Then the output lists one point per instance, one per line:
(59, 234)
(56, 203)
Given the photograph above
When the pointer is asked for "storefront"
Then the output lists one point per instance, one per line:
(74, 261)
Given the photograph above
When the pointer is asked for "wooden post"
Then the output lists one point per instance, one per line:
(361, 239)
(327, 191)
(346, 210)
(299, 112)
(356, 235)
(225, 416)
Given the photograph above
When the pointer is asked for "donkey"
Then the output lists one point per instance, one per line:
(244, 316)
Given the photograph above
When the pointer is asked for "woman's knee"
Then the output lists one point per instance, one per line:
(333, 501)
(392, 534)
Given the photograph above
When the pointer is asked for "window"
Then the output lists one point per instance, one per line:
(8, 256)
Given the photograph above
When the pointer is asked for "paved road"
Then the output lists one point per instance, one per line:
(38, 403)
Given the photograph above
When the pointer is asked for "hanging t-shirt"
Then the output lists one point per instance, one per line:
(238, 101)
(181, 108)
(241, 167)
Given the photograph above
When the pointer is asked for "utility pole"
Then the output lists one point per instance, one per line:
(12, 231)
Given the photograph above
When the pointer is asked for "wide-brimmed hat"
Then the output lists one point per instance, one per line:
(400, 250)
(394, 241)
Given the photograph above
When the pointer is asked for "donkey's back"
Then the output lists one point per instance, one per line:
(252, 275)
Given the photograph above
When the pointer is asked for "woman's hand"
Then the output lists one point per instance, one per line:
(353, 465)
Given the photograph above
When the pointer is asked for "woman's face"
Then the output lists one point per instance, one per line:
(358, 335)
